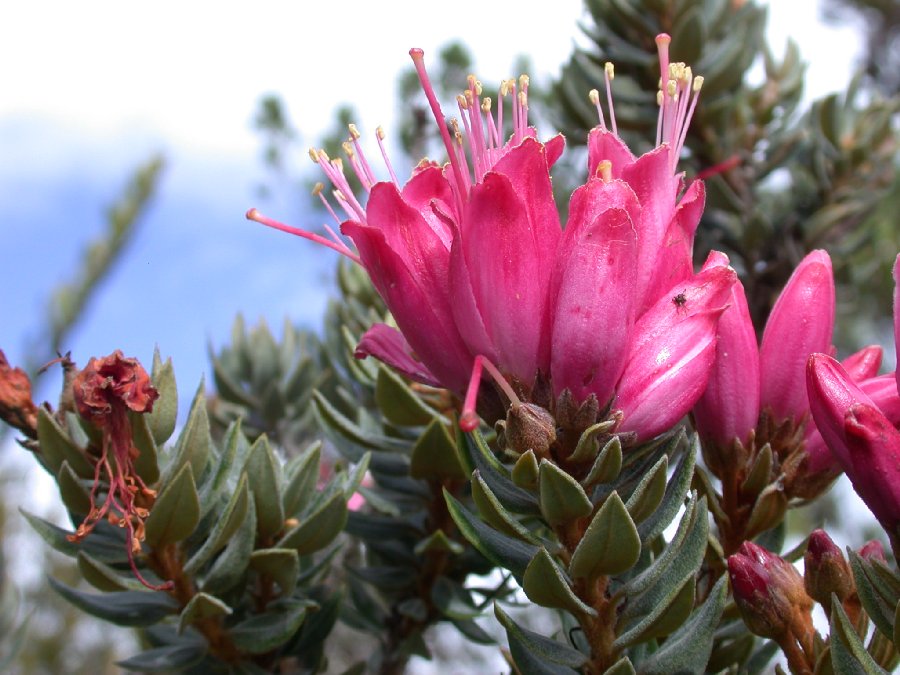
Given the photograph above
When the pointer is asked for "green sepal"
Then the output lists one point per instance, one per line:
(525, 471)
(231, 565)
(500, 549)
(171, 658)
(124, 608)
(202, 606)
(434, 455)
(588, 446)
(161, 421)
(264, 474)
(75, 496)
(478, 455)
(397, 402)
(758, 477)
(282, 565)
(194, 443)
(56, 447)
(319, 528)
(848, 654)
(303, 477)
(544, 583)
(608, 464)
(610, 544)
(544, 647)
(649, 493)
(227, 523)
(562, 499)
(877, 596)
(146, 464)
(176, 511)
(675, 490)
(99, 547)
(687, 650)
(266, 632)
(494, 514)
(103, 577)
(438, 541)
(621, 667)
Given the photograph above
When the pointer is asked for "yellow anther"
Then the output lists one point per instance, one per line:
(379, 132)
(338, 164)
(671, 88)
(486, 104)
(317, 189)
(659, 97)
(504, 88)
(454, 125)
(323, 156)
(594, 96)
(478, 88)
(463, 103)
(471, 80)
(339, 195)
(610, 70)
(354, 132)
(313, 155)
(524, 80)
(347, 148)
(604, 170)
(459, 138)
(698, 83)
(688, 73)
(469, 97)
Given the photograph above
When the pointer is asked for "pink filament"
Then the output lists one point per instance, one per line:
(256, 216)
(468, 420)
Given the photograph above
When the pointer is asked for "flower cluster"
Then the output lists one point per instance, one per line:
(477, 271)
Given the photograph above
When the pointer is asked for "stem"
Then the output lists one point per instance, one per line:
(796, 657)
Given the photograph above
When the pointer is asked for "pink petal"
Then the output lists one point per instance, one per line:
(882, 390)
(897, 314)
(729, 408)
(389, 346)
(427, 189)
(672, 351)
(594, 310)
(800, 323)
(605, 145)
(554, 148)
(864, 364)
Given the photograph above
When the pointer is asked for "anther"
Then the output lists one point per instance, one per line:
(317, 189)
(698, 83)
(594, 96)
(379, 132)
(313, 155)
(486, 105)
(354, 132)
(610, 70)
(604, 170)
(347, 148)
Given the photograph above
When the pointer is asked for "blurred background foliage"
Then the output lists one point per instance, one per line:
(782, 180)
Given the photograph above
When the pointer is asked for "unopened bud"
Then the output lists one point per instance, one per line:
(769, 592)
(825, 570)
(873, 550)
(530, 427)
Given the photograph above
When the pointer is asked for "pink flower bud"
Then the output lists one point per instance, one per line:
(729, 408)
(801, 323)
(826, 571)
(872, 550)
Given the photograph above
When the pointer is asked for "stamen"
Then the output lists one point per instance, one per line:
(379, 134)
(364, 163)
(341, 248)
(317, 192)
(609, 73)
(418, 57)
(594, 97)
(604, 170)
(468, 420)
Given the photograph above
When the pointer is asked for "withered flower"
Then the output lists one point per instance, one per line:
(105, 391)
(16, 407)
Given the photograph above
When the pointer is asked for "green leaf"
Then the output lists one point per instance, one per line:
(194, 444)
(610, 544)
(282, 565)
(125, 608)
(264, 474)
(103, 577)
(528, 663)
(649, 493)
(587, 447)
(176, 511)
(473, 632)
(146, 464)
(544, 583)
(525, 471)
(434, 455)
(331, 419)
(202, 606)
(562, 499)
(878, 599)
(453, 600)
(687, 650)
(848, 655)
(165, 659)
(319, 528)
(227, 523)
(397, 402)
(478, 455)
(675, 491)
(494, 514)
(438, 541)
(608, 464)
(74, 494)
(161, 421)
(758, 477)
(544, 647)
(231, 564)
(56, 447)
(500, 549)
(768, 510)
(301, 485)
(621, 667)
(234, 445)
(266, 632)
(100, 547)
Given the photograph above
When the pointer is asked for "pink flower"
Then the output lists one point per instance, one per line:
(862, 439)
(472, 261)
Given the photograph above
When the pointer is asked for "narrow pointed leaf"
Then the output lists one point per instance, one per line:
(480, 457)
(397, 402)
(608, 465)
(675, 492)
(264, 475)
(57, 447)
(544, 583)
(282, 565)
(649, 493)
(547, 648)
(125, 608)
(165, 659)
(176, 511)
(161, 421)
(146, 464)
(610, 544)
(318, 529)
(72, 490)
(434, 454)
(562, 498)
(301, 486)
(202, 606)
(226, 525)
(494, 514)
(194, 443)
(263, 633)
(621, 667)
(525, 471)
(848, 654)
(587, 447)
(231, 565)
(103, 577)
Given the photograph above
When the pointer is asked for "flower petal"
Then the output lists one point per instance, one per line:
(389, 346)
(672, 351)
(426, 190)
(864, 364)
(605, 145)
(800, 324)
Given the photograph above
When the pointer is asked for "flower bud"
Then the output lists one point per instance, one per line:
(530, 427)
(826, 571)
(872, 550)
(769, 592)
